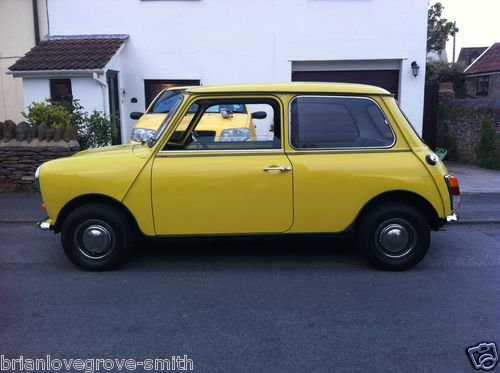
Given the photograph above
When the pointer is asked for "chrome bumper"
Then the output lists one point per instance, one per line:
(451, 218)
(43, 225)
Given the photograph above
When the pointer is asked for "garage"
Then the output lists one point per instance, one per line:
(383, 74)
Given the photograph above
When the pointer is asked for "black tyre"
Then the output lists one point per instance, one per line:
(97, 237)
(394, 236)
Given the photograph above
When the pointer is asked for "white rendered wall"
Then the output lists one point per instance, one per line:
(227, 41)
(89, 92)
(86, 89)
(35, 90)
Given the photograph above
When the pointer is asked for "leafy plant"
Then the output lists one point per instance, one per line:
(441, 71)
(97, 130)
(78, 113)
(438, 29)
(52, 113)
(488, 150)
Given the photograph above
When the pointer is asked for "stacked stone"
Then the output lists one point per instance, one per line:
(24, 147)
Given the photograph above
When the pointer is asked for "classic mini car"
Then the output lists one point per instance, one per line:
(225, 122)
(342, 158)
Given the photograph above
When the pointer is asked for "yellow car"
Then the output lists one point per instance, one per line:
(341, 158)
(227, 122)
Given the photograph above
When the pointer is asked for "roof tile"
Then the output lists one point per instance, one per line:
(75, 52)
(489, 61)
(467, 52)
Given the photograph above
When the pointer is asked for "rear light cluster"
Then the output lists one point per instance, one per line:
(452, 183)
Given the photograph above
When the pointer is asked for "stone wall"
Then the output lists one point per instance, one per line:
(459, 126)
(23, 148)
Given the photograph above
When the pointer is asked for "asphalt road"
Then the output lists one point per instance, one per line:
(255, 305)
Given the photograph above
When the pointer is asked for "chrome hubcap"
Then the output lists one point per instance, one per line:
(396, 238)
(94, 239)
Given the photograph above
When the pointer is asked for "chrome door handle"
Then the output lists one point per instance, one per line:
(282, 169)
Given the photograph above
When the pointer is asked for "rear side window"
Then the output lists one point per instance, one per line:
(338, 122)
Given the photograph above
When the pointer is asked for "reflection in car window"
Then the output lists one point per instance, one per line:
(165, 102)
(229, 125)
(235, 108)
(338, 122)
(166, 121)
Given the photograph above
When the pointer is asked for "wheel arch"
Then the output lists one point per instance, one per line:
(93, 198)
(413, 199)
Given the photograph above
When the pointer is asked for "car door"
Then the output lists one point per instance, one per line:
(206, 182)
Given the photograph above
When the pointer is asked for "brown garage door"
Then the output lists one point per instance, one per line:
(388, 79)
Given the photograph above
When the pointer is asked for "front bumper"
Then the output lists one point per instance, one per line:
(44, 226)
(452, 218)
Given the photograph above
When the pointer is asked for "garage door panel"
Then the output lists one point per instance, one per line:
(387, 79)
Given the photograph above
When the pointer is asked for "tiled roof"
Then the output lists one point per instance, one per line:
(468, 52)
(70, 52)
(489, 61)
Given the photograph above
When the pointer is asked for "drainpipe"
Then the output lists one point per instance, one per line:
(35, 21)
(104, 86)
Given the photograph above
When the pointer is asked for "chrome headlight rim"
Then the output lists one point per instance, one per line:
(141, 134)
(37, 178)
(235, 134)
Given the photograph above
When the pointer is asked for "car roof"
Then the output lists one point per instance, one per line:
(312, 87)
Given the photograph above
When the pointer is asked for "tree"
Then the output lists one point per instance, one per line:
(438, 29)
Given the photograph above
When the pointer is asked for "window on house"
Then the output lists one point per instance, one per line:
(153, 87)
(482, 85)
(60, 91)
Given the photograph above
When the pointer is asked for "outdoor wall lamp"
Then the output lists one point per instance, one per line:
(415, 68)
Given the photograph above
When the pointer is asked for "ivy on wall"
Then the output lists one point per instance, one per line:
(487, 152)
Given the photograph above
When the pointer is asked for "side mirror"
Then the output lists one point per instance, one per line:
(259, 115)
(135, 115)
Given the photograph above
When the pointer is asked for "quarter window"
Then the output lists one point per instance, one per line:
(338, 122)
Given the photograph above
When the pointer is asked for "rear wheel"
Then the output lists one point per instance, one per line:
(97, 237)
(393, 236)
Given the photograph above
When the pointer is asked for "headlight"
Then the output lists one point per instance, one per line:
(141, 134)
(37, 177)
(235, 134)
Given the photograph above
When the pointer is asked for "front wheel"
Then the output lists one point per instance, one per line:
(97, 237)
(394, 236)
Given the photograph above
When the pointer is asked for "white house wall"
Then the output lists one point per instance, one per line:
(86, 89)
(89, 92)
(35, 90)
(227, 41)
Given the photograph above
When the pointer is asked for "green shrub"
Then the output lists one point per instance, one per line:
(78, 113)
(97, 130)
(446, 72)
(450, 145)
(488, 150)
(52, 113)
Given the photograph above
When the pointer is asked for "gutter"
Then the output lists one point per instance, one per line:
(35, 21)
(104, 86)
(52, 73)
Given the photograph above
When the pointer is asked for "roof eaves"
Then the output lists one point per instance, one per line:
(50, 73)
(86, 36)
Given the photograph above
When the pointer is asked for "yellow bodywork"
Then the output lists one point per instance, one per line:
(227, 192)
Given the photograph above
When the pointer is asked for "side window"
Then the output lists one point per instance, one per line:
(228, 125)
(338, 122)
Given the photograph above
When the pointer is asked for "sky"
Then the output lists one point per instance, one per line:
(478, 21)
